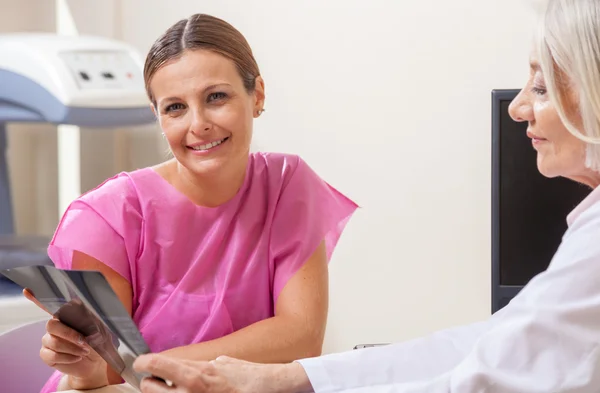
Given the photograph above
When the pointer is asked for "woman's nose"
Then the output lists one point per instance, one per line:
(200, 122)
(520, 109)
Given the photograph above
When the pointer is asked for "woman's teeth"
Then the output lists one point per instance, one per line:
(209, 145)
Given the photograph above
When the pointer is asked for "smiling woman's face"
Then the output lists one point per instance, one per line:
(559, 153)
(205, 111)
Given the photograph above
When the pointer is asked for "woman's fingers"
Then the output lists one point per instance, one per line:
(61, 345)
(29, 296)
(53, 358)
(60, 330)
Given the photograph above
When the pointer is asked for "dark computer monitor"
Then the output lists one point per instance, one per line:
(528, 210)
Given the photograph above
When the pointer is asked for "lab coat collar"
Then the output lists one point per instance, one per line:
(590, 200)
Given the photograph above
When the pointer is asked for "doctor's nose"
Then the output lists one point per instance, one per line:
(520, 109)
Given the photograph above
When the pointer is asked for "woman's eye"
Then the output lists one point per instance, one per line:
(174, 107)
(216, 96)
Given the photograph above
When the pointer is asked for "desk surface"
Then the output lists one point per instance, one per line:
(125, 388)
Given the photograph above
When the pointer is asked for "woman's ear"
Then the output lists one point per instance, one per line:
(259, 96)
(154, 111)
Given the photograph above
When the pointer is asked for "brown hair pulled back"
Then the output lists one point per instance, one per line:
(201, 31)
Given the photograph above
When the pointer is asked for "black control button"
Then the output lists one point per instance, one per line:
(108, 75)
(84, 76)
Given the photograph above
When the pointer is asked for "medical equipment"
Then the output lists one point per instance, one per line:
(72, 82)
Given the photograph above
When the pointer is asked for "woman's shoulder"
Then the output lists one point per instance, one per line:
(105, 223)
(117, 188)
(281, 168)
(285, 161)
(119, 195)
(291, 176)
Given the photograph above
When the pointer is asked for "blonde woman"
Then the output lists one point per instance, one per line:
(548, 338)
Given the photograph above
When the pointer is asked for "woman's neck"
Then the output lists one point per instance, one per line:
(210, 190)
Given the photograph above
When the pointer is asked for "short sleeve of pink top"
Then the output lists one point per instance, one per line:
(201, 273)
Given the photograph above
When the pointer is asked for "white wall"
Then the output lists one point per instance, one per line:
(390, 102)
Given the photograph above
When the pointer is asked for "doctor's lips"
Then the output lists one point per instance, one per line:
(208, 145)
(535, 138)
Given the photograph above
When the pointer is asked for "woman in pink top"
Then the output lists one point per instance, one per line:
(217, 251)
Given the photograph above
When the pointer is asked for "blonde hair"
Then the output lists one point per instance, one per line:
(568, 47)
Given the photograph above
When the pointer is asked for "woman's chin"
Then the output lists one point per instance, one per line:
(207, 167)
(211, 163)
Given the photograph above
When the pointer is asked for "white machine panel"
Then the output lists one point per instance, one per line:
(103, 70)
(80, 71)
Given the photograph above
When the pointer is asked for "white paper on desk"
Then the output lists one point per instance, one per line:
(84, 301)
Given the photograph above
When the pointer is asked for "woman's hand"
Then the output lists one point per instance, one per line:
(66, 350)
(95, 335)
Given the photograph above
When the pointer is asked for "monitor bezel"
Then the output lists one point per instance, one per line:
(500, 293)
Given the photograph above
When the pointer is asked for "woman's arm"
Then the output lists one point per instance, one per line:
(296, 331)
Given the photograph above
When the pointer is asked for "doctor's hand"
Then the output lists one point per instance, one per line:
(185, 376)
(224, 375)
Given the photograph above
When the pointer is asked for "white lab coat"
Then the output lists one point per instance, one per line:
(546, 340)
